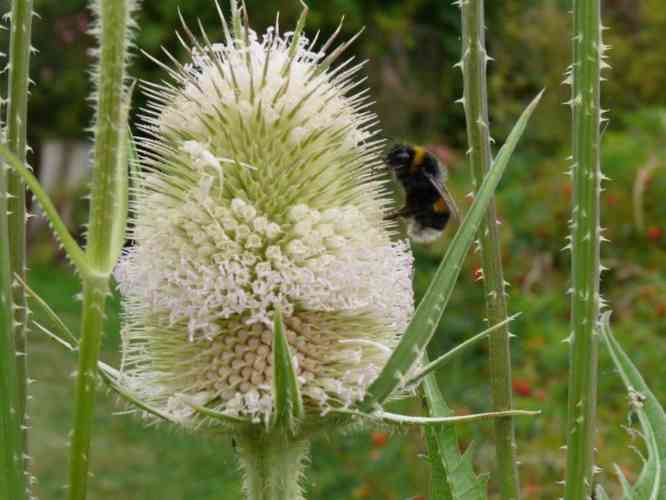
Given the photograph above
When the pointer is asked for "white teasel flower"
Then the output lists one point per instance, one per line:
(259, 192)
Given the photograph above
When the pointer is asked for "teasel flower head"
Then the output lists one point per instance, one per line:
(258, 194)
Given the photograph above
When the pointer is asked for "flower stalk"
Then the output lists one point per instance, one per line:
(475, 102)
(272, 465)
(585, 240)
(106, 227)
(16, 130)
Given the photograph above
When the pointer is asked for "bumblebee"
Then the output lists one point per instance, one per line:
(428, 204)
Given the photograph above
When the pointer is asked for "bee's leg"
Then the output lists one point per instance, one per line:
(403, 212)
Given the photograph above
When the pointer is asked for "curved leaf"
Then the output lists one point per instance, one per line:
(651, 484)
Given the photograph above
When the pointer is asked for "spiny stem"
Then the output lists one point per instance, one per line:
(108, 212)
(272, 465)
(108, 197)
(17, 122)
(585, 264)
(12, 478)
(474, 62)
(94, 294)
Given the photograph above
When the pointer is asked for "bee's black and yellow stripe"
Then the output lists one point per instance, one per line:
(418, 170)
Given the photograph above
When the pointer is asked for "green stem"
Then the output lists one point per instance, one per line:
(474, 62)
(108, 204)
(12, 478)
(584, 339)
(17, 121)
(94, 296)
(273, 465)
(106, 226)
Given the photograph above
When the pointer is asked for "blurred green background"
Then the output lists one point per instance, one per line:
(411, 46)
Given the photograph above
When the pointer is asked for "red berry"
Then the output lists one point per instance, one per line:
(655, 233)
(522, 387)
(379, 439)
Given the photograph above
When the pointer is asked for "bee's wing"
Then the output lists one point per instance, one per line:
(446, 195)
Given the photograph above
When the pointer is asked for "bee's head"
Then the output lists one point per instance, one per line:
(400, 156)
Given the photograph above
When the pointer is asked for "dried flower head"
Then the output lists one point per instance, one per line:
(256, 194)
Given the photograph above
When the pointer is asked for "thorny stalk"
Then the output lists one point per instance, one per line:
(585, 240)
(16, 134)
(475, 101)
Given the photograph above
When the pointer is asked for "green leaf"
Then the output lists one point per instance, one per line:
(287, 401)
(439, 486)
(218, 415)
(651, 484)
(110, 376)
(430, 310)
(459, 477)
(71, 247)
(62, 327)
(456, 351)
(126, 159)
(396, 418)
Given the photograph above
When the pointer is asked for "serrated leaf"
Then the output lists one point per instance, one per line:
(430, 310)
(459, 478)
(651, 484)
(287, 400)
(439, 486)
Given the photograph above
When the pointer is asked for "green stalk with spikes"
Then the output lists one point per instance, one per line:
(106, 229)
(585, 78)
(475, 101)
(16, 140)
(12, 478)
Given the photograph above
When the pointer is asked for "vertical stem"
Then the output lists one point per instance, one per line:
(106, 226)
(475, 99)
(108, 197)
(94, 294)
(272, 465)
(12, 477)
(17, 121)
(585, 239)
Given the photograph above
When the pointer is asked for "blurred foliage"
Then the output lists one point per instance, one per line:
(411, 45)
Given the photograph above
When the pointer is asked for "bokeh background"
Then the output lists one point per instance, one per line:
(411, 47)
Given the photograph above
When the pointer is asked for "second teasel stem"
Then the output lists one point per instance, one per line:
(585, 240)
(475, 100)
(94, 297)
(106, 227)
